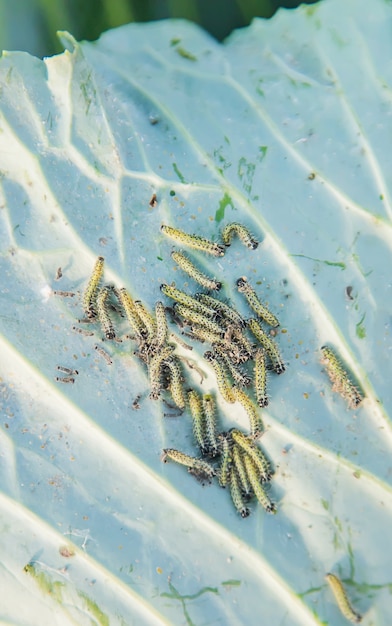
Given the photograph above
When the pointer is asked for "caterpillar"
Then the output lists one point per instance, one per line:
(342, 599)
(340, 378)
(183, 298)
(238, 344)
(176, 379)
(198, 467)
(133, 318)
(255, 421)
(236, 495)
(198, 421)
(103, 315)
(155, 368)
(224, 309)
(193, 241)
(161, 326)
(147, 319)
(190, 315)
(240, 377)
(259, 492)
(260, 461)
(226, 459)
(254, 302)
(239, 465)
(90, 293)
(269, 345)
(203, 334)
(210, 425)
(221, 378)
(260, 378)
(187, 266)
(242, 232)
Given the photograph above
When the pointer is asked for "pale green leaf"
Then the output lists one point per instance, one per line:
(284, 127)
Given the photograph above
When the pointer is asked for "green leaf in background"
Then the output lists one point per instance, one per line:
(286, 128)
(31, 25)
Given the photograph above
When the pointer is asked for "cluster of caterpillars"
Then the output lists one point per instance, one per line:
(240, 360)
(242, 465)
(240, 352)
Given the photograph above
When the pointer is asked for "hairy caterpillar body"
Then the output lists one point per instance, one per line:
(193, 241)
